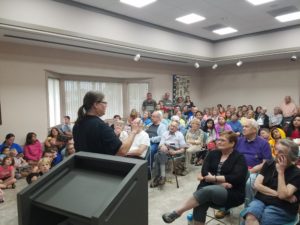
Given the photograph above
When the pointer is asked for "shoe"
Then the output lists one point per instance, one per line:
(170, 217)
(184, 173)
(162, 180)
(154, 182)
(220, 214)
(13, 186)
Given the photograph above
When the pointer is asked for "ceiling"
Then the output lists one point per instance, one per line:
(239, 14)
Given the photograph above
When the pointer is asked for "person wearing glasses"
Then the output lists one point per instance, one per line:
(278, 183)
(222, 181)
(92, 134)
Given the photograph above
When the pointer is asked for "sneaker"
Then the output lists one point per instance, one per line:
(154, 182)
(162, 180)
(220, 214)
(170, 217)
(184, 173)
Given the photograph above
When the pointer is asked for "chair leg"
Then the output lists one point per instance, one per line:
(173, 162)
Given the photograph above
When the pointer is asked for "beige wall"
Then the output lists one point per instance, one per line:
(262, 83)
(23, 84)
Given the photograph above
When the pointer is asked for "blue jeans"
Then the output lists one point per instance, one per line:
(250, 191)
(267, 214)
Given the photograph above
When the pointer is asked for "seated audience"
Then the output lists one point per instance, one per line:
(235, 124)
(116, 118)
(21, 166)
(276, 118)
(155, 130)
(181, 118)
(119, 130)
(265, 134)
(276, 135)
(188, 102)
(195, 139)
(277, 186)
(256, 151)
(32, 149)
(209, 128)
(172, 143)
(9, 142)
(70, 150)
(263, 119)
(5, 152)
(146, 118)
(51, 140)
(221, 126)
(7, 173)
(180, 102)
(222, 182)
(293, 130)
(168, 104)
(42, 167)
(141, 142)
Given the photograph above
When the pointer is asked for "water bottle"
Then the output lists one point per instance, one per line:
(189, 218)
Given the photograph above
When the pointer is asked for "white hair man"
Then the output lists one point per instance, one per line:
(172, 143)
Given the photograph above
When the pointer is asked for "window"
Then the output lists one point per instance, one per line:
(54, 101)
(66, 95)
(75, 91)
(136, 95)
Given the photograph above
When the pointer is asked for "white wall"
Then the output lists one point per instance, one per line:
(264, 83)
(23, 84)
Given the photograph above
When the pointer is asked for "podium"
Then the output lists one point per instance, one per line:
(88, 189)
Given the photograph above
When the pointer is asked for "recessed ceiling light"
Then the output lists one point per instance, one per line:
(190, 18)
(137, 3)
(225, 30)
(259, 2)
(288, 17)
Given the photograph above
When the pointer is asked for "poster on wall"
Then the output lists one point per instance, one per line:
(181, 86)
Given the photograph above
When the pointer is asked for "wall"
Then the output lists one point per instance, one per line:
(262, 83)
(23, 81)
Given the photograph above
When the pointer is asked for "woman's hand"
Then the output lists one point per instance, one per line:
(226, 185)
(200, 177)
(281, 164)
(210, 178)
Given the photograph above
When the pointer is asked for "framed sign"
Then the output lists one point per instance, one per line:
(181, 86)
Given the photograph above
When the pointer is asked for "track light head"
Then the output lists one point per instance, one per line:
(215, 66)
(239, 63)
(137, 57)
(196, 65)
(293, 58)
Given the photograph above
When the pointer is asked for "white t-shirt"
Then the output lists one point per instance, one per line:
(141, 138)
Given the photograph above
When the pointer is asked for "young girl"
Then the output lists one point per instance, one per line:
(209, 128)
(276, 135)
(42, 168)
(4, 153)
(21, 166)
(32, 149)
(51, 140)
(7, 173)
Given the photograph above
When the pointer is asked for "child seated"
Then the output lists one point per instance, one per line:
(70, 150)
(119, 130)
(54, 155)
(7, 173)
(21, 166)
(39, 170)
(4, 153)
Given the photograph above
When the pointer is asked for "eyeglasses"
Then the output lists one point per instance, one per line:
(222, 140)
(105, 103)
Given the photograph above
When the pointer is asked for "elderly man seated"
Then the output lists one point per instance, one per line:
(277, 186)
(172, 143)
(140, 143)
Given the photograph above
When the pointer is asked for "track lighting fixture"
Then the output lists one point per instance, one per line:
(239, 63)
(215, 66)
(293, 58)
(137, 57)
(196, 65)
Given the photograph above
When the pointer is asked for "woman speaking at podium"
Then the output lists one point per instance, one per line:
(92, 134)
